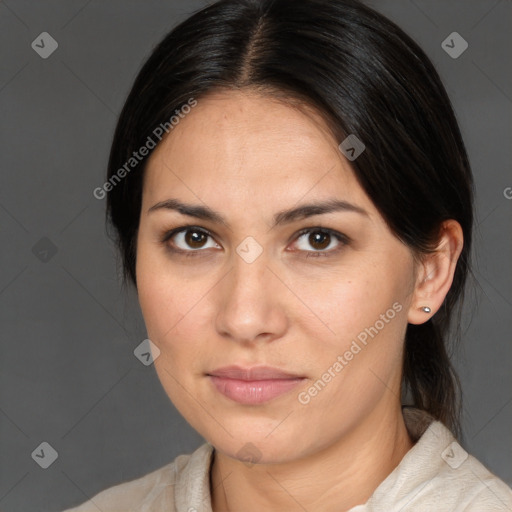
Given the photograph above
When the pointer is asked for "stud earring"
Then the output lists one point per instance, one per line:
(426, 309)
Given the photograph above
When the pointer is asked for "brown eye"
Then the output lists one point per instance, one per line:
(189, 240)
(320, 241)
(195, 239)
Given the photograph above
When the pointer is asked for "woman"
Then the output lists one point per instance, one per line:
(293, 202)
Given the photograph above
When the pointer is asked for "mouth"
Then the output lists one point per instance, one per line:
(253, 386)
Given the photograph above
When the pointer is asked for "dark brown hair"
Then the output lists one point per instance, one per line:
(366, 77)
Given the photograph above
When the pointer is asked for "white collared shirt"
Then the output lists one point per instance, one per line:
(435, 475)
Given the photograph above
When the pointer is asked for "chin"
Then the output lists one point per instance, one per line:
(258, 449)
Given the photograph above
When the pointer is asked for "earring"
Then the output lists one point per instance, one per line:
(426, 309)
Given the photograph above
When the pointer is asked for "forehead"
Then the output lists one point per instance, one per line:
(247, 149)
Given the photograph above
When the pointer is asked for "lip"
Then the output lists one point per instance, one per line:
(253, 373)
(255, 385)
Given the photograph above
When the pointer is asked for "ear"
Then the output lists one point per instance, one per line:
(435, 273)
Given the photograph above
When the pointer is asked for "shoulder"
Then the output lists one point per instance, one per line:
(469, 485)
(154, 491)
(437, 474)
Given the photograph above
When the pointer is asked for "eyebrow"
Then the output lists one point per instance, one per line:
(282, 217)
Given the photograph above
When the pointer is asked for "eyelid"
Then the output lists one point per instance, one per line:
(168, 234)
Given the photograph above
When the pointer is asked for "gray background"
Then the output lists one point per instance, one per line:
(68, 375)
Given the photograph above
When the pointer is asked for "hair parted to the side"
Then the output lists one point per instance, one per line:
(366, 77)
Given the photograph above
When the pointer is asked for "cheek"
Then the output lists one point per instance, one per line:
(174, 312)
(348, 305)
(363, 321)
(170, 310)
(361, 363)
(158, 305)
(162, 296)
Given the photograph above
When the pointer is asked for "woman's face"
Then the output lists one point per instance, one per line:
(251, 291)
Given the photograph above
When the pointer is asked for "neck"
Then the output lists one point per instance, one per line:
(341, 476)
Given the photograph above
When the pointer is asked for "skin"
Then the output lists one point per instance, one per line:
(248, 157)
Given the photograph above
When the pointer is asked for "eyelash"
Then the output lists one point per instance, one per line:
(343, 239)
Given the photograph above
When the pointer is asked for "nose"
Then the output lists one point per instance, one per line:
(250, 302)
